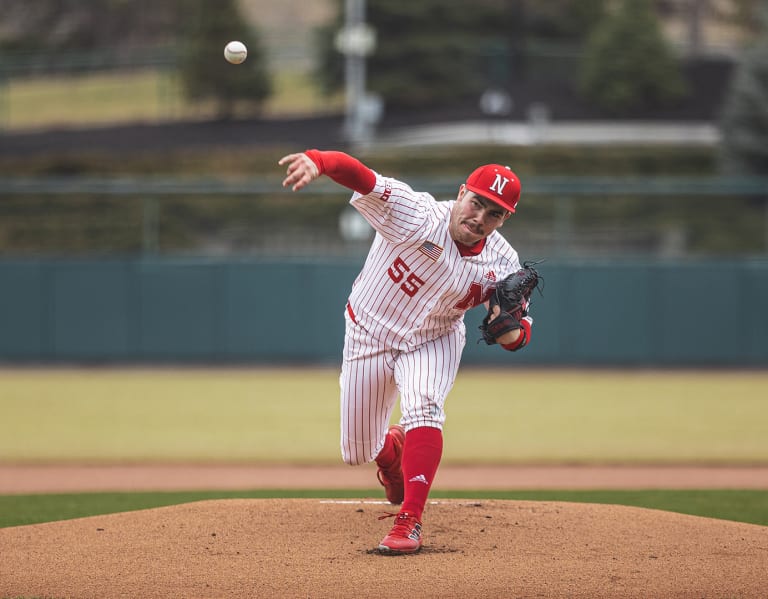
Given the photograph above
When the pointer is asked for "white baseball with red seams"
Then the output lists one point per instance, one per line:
(235, 52)
(404, 320)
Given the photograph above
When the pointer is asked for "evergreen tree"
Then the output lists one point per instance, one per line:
(562, 20)
(73, 25)
(744, 122)
(430, 53)
(627, 64)
(205, 73)
(434, 53)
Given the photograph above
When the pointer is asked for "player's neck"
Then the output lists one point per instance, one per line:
(470, 250)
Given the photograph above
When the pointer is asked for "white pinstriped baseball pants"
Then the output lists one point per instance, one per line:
(372, 375)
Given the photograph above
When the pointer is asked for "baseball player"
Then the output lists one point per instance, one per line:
(429, 263)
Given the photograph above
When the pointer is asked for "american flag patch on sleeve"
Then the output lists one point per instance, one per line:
(431, 250)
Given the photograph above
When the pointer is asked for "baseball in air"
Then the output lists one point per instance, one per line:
(235, 52)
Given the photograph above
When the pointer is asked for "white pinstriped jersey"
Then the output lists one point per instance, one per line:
(415, 285)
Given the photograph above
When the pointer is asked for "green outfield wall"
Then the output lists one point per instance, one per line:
(254, 311)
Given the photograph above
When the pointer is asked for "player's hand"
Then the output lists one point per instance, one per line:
(509, 337)
(301, 171)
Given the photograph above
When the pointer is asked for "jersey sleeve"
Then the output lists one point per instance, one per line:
(390, 206)
(393, 209)
(510, 261)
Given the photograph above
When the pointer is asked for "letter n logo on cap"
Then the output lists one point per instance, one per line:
(499, 183)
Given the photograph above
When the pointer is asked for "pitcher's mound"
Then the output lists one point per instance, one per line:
(320, 548)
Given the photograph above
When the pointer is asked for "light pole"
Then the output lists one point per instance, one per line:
(356, 41)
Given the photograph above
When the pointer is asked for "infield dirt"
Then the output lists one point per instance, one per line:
(320, 548)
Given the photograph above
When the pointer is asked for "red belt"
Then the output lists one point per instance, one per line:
(351, 313)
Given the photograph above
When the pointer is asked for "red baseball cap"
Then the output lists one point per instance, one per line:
(496, 183)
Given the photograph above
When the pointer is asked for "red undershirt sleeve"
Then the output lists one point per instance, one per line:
(344, 169)
(522, 341)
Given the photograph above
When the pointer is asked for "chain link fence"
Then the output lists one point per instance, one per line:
(560, 217)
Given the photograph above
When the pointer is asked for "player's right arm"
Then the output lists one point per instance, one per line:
(390, 206)
(345, 170)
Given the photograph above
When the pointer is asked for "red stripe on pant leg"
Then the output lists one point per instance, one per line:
(351, 313)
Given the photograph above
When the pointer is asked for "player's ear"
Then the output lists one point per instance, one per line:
(504, 218)
(462, 189)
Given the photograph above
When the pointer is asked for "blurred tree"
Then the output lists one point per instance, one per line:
(746, 14)
(744, 122)
(562, 20)
(453, 54)
(77, 25)
(205, 73)
(429, 53)
(627, 65)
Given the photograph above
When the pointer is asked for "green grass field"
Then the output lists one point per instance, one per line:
(143, 95)
(291, 416)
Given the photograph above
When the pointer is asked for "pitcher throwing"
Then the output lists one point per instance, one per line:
(429, 263)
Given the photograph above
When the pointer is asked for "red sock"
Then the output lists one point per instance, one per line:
(421, 457)
(387, 454)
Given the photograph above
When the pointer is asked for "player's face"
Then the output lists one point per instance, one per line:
(473, 217)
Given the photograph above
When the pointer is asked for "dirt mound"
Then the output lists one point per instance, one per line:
(320, 548)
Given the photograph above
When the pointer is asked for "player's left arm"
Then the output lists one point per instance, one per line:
(516, 338)
(508, 322)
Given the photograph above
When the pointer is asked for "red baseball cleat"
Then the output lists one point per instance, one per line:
(405, 536)
(392, 477)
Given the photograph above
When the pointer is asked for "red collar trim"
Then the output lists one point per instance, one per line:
(470, 250)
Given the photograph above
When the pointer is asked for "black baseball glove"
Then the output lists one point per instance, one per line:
(512, 295)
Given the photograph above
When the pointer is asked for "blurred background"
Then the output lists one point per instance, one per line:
(142, 218)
